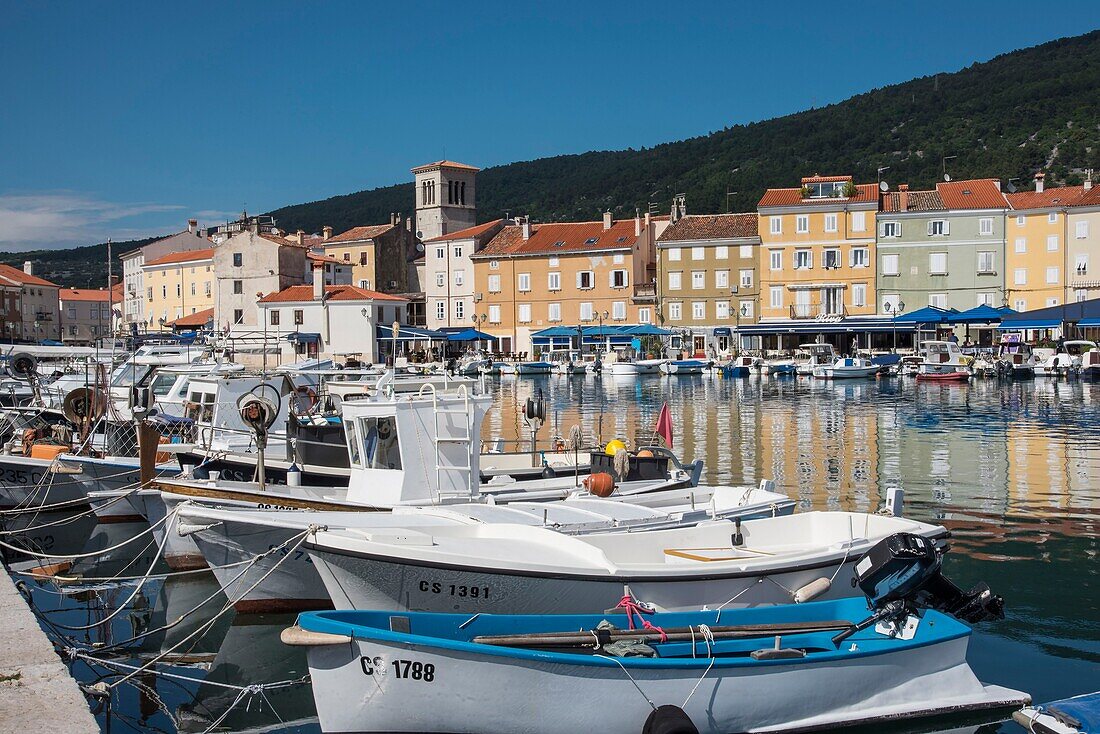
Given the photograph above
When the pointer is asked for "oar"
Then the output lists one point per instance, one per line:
(673, 634)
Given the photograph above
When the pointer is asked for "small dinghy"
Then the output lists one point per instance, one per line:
(1077, 715)
(797, 667)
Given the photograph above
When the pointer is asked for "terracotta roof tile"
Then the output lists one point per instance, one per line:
(17, 275)
(711, 227)
(183, 257)
(1089, 198)
(979, 193)
(315, 257)
(1061, 196)
(304, 293)
(867, 193)
(561, 237)
(919, 201)
(467, 234)
(360, 233)
(195, 320)
(825, 179)
(445, 164)
(86, 294)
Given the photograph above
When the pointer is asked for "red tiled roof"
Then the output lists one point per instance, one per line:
(17, 275)
(304, 293)
(573, 236)
(1089, 198)
(325, 259)
(359, 233)
(711, 227)
(867, 193)
(1061, 196)
(979, 193)
(919, 201)
(444, 164)
(467, 234)
(824, 179)
(86, 294)
(183, 257)
(194, 320)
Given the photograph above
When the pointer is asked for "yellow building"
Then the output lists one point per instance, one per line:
(179, 284)
(1036, 241)
(817, 250)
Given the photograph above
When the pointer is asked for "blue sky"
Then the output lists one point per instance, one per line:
(124, 119)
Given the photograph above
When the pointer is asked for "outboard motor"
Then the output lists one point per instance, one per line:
(902, 574)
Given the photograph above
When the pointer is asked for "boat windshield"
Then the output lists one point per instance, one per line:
(162, 385)
(1076, 349)
(130, 374)
(380, 449)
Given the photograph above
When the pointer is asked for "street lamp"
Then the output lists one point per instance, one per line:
(478, 321)
(739, 314)
(895, 309)
(601, 316)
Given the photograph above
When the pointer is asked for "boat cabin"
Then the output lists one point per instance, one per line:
(937, 352)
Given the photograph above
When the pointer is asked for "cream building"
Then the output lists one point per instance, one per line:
(1083, 245)
(178, 284)
(135, 291)
(448, 274)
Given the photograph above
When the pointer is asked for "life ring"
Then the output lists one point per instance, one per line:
(308, 395)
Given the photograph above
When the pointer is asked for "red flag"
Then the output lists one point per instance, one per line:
(663, 428)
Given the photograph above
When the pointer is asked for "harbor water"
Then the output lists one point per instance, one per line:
(1012, 469)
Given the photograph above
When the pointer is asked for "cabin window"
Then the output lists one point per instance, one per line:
(200, 407)
(380, 449)
(353, 444)
(162, 385)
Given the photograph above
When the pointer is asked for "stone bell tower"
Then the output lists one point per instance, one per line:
(446, 198)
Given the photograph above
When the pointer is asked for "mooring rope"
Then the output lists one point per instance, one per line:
(93, 554)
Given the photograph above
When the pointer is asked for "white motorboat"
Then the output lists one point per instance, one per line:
(943, 361)
(538, 367)
(847, 368)
(684, 367)
(635, 367)
(818, 354)
(1076, 358)
(1015, 359)
(782, 366)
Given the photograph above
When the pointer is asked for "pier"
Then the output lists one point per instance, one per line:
(36, 691)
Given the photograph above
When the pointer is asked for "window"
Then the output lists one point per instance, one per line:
(985, 299)
(831, 259)
(985, 226)
(746, 252)
(440, 253)
(746, 278)
(775, 294)
(618, 310)
(938, 228)
(553, 312)
(194, 288)
(586, 280)
(1081, 294)
(460, 310)
(675, 311)
(1019, 276)
(937, 263)
(674, 281)
(460, 277)
(524, 282)
(347, 257)
(164, 289)
(1021, 245)
(238, 316)
(803, 259)
(698, 253)
(1052, 302)
(890, 265)
(802, 224)
(553, 281)
(441, 279)
(179, 289)
(985, 263)
(830, 222)
(775, 225)
(891, 229)
(363, 258)
(745, 309)
(275, 317)
(674, 253)
(458, 250)
(1081, 230)
(859, 294)
(721, 279)
(494, 283)
(494, 264)
(860, 257)
(364, 284)
(939, 300)
(238, 259)
(617, 259)
(698, 279)
(586, 311)
(494, 314)
(1019, 222)
(775, 259)
(722, 252)
(1052, 275)
(299, 317)
(722, 310)
(1052, 217)
(617, 279)
(151, 293)
(523, 313)
(1019, 304)
(1082, 265)
(644, 316)
(238, 286)
(859, 221)
(699, 310)
(1052, 243)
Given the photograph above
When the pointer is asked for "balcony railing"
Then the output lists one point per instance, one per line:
(645, 293)
(819, 311)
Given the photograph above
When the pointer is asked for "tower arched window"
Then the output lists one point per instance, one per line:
(462, 193)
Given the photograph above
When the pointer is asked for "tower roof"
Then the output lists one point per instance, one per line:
(444, 164)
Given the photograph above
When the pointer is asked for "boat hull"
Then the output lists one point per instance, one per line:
(943, 376)
(27, 482)
(849, 373)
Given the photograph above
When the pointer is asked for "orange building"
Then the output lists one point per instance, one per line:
(1037, 236)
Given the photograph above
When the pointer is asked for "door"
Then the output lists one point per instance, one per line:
(832, 299)
(700, 343)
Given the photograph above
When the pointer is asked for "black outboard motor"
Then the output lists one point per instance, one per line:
(902, 574)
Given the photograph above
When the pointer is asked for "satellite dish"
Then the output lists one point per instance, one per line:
(419, 235)
(883, 186)
(1011, 187)
(947, 177)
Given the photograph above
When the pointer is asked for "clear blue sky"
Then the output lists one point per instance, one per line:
(124, 119)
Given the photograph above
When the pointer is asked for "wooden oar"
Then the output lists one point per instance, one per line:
(673, 634)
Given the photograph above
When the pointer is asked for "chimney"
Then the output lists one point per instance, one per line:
(193, 226)
(327, 232)
(903, 197)
(393, 219)
(318, 280)
(301, 237)
(526, 222)
(637, 224)
(607, 220)
(254, 225)
(647, 220)
(1088, 180)
(1039, 182)
(408, 224)
(28, 267)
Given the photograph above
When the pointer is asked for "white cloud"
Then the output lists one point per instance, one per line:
(66, 219)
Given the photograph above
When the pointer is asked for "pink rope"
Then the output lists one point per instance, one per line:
(632, 607)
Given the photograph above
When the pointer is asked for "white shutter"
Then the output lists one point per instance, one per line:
(947, 226)
(929, 228)
(852, 258)
(610, 278)
(578, 280)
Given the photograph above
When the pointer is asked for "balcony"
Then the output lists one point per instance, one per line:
(645, 292)
(819, 311)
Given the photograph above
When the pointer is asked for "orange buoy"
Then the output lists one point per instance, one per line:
(645, 454)
(600, 484)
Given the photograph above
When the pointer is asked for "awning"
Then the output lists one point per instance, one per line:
(646, 330)
(552, 341)
(926, 315)
(566, 331)
(1088, 323)
(812, 326)
(981, 315)
(1018, 324)
(470, 335)
(303, 337)
(409, 334)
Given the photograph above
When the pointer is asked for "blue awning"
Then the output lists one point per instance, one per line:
(303, 337)
(470, 335)
(1018, 324)
(646, 330)
(566, 331)
(551, 341)
(409, 334)
(812, 326)
(926, 315)
(981, 315)
(1089, 323)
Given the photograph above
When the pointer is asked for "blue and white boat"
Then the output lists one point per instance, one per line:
(1077, 715)
(745, 670)
(682, 367)
(539, 367)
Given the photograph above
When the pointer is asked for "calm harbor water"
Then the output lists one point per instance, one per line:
(1012, 469)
